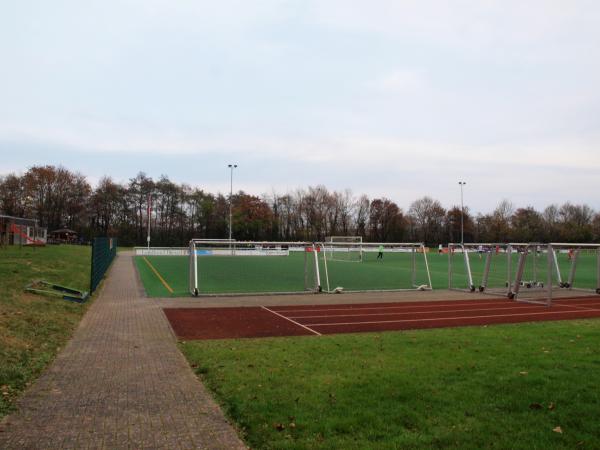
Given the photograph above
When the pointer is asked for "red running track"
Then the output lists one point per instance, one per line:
(226, 323)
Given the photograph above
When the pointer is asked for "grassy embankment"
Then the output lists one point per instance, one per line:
(33, 328)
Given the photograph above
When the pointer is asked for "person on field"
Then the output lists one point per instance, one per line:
(380, 254)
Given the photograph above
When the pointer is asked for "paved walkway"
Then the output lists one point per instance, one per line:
(120, 383)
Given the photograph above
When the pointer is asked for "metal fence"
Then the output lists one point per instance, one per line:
(104, 251)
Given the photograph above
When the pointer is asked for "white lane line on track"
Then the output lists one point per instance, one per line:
(546, 313)
(586, 308)
(396, 306)
(534, 307)
(293, 321)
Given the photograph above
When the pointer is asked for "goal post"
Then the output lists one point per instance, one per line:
(492, 268)
(385, 266)
(525, 272)
(576, 267)
(252, 267)
(343, 248)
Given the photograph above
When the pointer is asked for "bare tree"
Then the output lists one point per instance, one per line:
(428, 216)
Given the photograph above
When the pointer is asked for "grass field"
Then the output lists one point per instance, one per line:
(165, 276)
(34, 328)
(512, 386)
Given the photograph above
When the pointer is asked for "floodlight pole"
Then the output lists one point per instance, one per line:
(149, 211)
(462, 213)
(231, 167)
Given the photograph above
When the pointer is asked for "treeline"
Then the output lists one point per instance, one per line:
(60, 198)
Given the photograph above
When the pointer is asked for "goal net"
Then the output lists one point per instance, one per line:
(343, 248)
(526, 272)
(384, 267)
(575, 269)
(480, 267)
(251, 267)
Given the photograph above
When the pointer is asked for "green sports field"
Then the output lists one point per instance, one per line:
(167, 276)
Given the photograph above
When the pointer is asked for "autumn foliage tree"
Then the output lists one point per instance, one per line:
(58, 198)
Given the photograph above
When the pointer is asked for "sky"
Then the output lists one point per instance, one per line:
(399, 99)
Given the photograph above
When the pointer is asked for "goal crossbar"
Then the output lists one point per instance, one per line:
(202, 250)
(529, 279)
(416, 249)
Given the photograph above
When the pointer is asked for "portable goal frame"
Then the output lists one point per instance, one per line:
(575, 250)
(537, 283)
(414, 248)
(338, 246)
(495, 253)
(214, 248)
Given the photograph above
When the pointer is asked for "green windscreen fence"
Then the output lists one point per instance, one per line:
(104, 251)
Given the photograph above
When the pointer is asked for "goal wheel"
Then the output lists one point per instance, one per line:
(511, 295)
(567, 285)
(195, 292)
(481, 288)
(528, 285)
(598, 291)
(472, 288)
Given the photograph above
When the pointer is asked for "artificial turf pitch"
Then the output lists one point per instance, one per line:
(167, 276)
(273, 274)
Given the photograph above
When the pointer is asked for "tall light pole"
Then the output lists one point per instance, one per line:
(231, 167)
(462, 213)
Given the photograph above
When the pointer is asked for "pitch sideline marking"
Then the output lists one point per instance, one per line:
(162, 280)
(293, 321)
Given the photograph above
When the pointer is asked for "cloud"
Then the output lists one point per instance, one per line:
(399, 81)
(467, 24)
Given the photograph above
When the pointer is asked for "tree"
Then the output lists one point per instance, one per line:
(386, 221)
(575, 222)
(527, 225)
(12, 196)
(253, 218)
(428, 217)
(453, 224)
(499, 224)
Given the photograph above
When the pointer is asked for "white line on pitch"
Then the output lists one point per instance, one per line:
(293, 321)
(547, 313)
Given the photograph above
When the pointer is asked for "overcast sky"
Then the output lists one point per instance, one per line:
(389, 98)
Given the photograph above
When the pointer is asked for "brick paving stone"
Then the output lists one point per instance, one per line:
(120, 383)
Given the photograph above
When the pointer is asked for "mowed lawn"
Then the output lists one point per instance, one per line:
(165, 276)
(33, 328)
(528, 386)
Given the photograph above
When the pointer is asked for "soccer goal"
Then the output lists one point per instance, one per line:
(384, 267)
(480, 267)
(224, 267)
(525, 272)
(343, 248)
(576, 268)
(515, 270)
